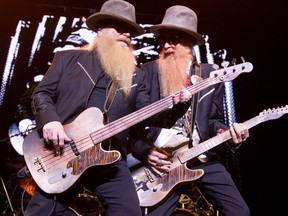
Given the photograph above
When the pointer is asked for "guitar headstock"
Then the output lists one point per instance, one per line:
(230, 73)
(273, 113)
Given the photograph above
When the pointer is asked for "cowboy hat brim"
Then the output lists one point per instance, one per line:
(95, 20)
(156, 28)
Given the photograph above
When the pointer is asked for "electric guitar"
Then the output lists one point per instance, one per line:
(56, 174)
(152, 189)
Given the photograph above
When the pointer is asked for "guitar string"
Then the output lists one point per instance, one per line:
(218, 139)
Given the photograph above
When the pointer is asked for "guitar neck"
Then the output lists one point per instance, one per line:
(117, 126)
(148, 111)
(202, 147)
(214, 141)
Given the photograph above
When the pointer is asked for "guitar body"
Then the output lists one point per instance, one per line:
(55, 174)
(152, 189)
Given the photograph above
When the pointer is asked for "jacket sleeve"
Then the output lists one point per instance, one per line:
(43, 96)
(216, 116)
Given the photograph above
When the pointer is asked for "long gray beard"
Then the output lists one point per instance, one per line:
(117, 61)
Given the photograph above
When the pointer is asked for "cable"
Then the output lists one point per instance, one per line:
(54, 205)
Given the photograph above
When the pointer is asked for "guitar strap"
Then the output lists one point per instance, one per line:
(110, 97)
(194, 103)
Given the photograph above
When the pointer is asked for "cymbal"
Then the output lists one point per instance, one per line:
(17, 134)
(16, 138)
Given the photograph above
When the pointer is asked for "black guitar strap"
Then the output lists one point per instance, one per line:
(194, 103)
(110, 97)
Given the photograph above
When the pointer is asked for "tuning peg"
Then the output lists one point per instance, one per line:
(242, 58)
(233, 62)
(225, 64)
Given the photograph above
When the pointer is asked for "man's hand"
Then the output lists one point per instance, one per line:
(159, 160)
(184, 96)
(239, 133)
(53, 133)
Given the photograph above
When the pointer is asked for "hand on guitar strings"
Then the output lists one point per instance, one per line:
(239, 133)
(159, 160)
(54, 134)
(184, 96)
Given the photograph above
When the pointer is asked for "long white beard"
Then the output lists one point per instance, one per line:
(117, 61)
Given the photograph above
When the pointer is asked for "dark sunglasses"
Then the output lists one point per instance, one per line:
(171, 39)
(174, 39)
(120, 27)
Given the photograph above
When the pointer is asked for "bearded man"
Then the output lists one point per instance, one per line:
(176, 67)
(100, 75)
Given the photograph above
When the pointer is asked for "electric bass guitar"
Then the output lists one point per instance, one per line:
(56, 174)
(152, 189)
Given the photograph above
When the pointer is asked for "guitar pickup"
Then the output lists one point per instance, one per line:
(56, 178)
(150, 191)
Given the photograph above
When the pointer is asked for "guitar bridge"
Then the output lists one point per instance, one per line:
(40, 167)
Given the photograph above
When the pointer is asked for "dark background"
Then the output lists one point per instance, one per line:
(254, 29)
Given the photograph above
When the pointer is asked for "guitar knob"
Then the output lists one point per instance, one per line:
(64, 174)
